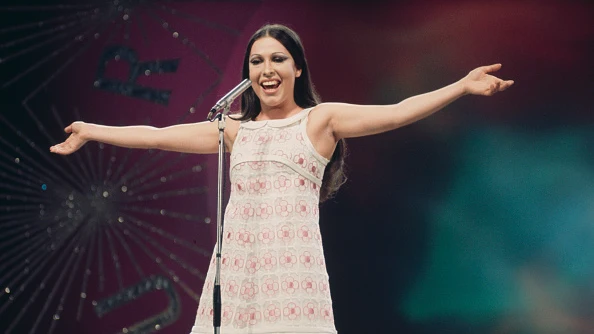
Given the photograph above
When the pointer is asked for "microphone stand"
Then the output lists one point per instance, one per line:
(225, 104)
(216, 321)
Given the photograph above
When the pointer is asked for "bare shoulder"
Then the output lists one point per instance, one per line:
(324, 114)
(232, 124)
(319, 129)
(231, 129)
(325, 111)
(321, 113)
(326, 107)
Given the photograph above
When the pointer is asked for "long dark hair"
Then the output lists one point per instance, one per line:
(304, 94)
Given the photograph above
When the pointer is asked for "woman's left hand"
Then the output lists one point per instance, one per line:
(480, 82)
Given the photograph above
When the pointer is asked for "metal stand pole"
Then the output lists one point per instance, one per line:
(216, 299)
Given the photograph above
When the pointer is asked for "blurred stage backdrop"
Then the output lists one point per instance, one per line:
(479, 219)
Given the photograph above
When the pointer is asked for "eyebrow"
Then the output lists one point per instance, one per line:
(278, 53)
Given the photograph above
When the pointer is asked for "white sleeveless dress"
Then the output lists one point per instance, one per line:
(273, 272)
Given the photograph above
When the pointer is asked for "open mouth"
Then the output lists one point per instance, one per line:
(270, 85)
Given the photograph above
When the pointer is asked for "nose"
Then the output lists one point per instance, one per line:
(268, 70)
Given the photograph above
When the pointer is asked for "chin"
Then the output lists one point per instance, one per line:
(270, 102)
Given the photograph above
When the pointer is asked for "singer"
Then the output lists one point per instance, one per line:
(287, 153)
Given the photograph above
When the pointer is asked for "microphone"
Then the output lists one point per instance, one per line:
(229, 97)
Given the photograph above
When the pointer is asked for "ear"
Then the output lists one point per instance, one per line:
(298, 74)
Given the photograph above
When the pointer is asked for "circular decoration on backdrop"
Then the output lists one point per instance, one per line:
(108, 237)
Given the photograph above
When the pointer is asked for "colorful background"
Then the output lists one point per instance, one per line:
(479, 219)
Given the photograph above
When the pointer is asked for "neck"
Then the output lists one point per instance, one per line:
(278, 112)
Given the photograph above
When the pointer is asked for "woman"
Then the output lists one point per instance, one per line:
(273, 275)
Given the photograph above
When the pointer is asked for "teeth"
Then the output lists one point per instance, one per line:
(270, 83)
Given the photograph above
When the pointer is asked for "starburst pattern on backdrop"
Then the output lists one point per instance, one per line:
(90, 224)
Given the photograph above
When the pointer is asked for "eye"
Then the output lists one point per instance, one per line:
(278, 59)
(255, 61)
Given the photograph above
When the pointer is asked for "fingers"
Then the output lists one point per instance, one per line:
(491, 68)
(62, 148)
(505, 84)
(71, 144)
(493, 85)
(480, 82)
(57, 149)
(499, 86)
(70, 128)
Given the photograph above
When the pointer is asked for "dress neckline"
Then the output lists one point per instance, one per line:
(277, 123)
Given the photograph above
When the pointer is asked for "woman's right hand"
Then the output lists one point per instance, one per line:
(75, 141)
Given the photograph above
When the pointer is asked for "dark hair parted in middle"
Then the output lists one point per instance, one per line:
(304, 94)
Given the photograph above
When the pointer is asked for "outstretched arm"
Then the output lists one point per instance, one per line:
(347, 120)
(191, 138)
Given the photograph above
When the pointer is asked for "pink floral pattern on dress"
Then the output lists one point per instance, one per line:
(264, 211)
(273, 273)
(281, 154)
(262, 137)
(306, 259)
(228, 235)
(231, 288)
(226, 315)
(252, 264)
(270, 287)
(315, 187)
(246, 211)
(259, 185)
(272, 313)
(302, 208)
(310, 310)
(245, 237)
(320, 260)
(266, 236)
(286, 233)
(208, 286)
(282, 136)
(287, 259)
(225, 259)
(254, 316)
(304, 233)
(256, 165)
(300, 160)
(324, 287)
(248, 290)
(245, 139)
(241, 317)
(282, 183)
(237, 262)
(284, 208)
(201, 313)
(301, 183)
(327, 313)
(309, 285)
(240, 186)
(292, 311)
(209, 312)
(268, 261)
(314, 168)
(289, 285)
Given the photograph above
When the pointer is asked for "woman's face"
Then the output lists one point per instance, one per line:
(273, 73)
